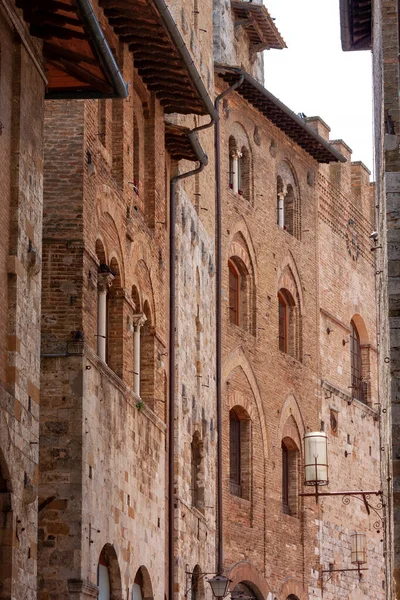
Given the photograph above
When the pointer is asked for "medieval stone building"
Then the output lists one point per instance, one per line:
(199, 296)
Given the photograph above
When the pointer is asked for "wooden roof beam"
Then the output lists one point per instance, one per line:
(81, 74)
(47, 33)
(53, 51)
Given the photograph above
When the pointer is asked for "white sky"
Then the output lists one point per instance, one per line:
(314, 76)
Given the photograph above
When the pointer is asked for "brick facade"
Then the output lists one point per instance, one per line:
(102, 463)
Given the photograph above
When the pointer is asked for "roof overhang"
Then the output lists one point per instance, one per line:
(356, 24)
(260, 26)
(79, 62)
(178, 143)
(160, 54)
(280, 115)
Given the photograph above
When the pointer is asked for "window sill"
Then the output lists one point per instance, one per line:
(242, 502)
(291, 359)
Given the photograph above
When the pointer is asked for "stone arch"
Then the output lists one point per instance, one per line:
(292, 588)
(197, 583)
(245, 572)
(110, 557)
(237, 358)
(143, 580)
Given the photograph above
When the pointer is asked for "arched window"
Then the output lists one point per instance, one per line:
(197, 483)
(147, 358)
(289, 325)
(244, 173)
(136, 155)
(239, 452)
(114, 333)
(197, 584)
(283, 323)
(234, 293)
(233, 168)
(290, 477)
(357, 383)
(103, 578)
(288, 201)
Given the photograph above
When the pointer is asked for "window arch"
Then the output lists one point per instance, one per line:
(241, 291)
(114, 333)
(290, 477)
(142, 586)
(197, 583)
(358, 369)
(289, 333)
(239, 452)
(288, 201)
(239, 168)
(234, 293)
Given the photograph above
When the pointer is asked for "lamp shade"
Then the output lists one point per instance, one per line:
(316, 458)
(219, 585)
(358, 548)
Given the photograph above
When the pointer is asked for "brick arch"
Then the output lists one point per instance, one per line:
(145, 288)
(108, 202)
(242, 138)
(292, 587)
(235, 359)
(287, 173)
(289, 278)
(291, 423)
(240, 227)
(108, 230)
(245, 572)
(361, 328)
(236, 398)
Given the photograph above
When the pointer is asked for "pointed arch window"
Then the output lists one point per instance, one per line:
(283, 323)
(290, 477)
(234, 294)
(357, 383)
(239, 452)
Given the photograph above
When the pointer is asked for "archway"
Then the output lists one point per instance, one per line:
(6, 533)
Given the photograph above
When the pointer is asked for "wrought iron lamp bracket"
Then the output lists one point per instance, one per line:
(362, 496)
(333, 571)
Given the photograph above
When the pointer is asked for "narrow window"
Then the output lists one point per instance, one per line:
(285, 480)
(136, 156)
(290, 477)
(233, 166)
(196, 482)
(102, 121)
(356, 364)
(235, 454)
(234, 294)
(283, 324)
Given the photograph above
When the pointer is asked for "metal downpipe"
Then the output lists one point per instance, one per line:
(102, 48)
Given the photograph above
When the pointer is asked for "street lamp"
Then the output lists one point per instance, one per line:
(358, 549)
(219, 586)
(316, 458)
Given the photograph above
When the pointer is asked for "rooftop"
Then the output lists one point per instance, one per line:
(356, 24)
(259, 25)
(280, 115)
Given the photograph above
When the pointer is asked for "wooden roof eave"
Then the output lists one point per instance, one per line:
(280, 115)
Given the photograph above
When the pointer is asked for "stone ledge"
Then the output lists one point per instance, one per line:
(79, 586)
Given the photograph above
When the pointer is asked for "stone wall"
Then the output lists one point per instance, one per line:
(21, 188)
